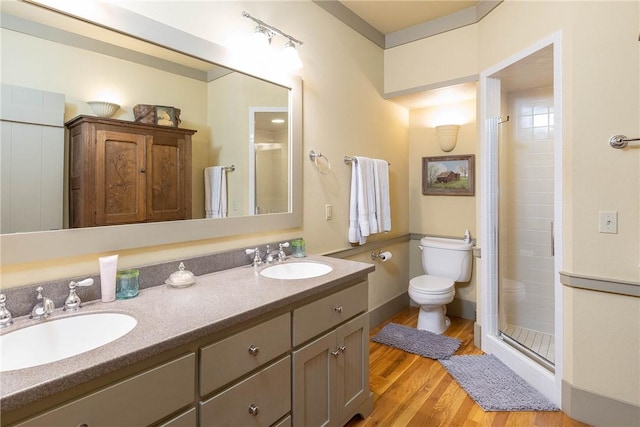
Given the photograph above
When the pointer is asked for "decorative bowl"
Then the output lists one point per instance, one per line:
(103, 109)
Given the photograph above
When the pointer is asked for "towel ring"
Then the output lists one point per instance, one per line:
(313, 156)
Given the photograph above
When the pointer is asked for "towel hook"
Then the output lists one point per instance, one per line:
(313, 156)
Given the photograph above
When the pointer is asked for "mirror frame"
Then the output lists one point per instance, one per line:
(44, 245)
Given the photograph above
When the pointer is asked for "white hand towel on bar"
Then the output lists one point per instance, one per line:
(355, 233)
(383, 202)
(362, 208)
(215, 192)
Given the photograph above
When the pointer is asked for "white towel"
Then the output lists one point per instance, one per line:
(215, 192)
(383, 202)
(357, 203)
(369, 208)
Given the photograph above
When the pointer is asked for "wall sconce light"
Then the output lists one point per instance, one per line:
(447, 136)
(290, 57)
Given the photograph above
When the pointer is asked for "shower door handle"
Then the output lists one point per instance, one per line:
(553, 242)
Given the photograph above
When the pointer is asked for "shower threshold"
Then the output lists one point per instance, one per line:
(541, 351)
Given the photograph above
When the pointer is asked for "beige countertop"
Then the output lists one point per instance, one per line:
(168, 318)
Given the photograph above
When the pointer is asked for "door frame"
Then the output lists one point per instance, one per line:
(547, 382)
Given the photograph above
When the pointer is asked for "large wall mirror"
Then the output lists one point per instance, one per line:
(245, 120)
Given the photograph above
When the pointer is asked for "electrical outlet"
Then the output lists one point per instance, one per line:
(328, 212)
(608, 222)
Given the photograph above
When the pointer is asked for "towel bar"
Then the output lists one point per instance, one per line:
(349, 159)
(621, 141)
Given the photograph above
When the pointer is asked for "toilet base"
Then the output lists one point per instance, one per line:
(433, 318)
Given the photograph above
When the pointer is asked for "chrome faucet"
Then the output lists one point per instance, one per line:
(278, 255)
(5, 315)
(72, 303)
(43, 308)
(257, 261)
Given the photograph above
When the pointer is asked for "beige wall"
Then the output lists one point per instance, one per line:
(344, 114)
(600, 99)
(441, 215)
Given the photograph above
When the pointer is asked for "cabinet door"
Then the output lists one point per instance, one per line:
(120, 177)
(166, 178)
(352, 365)
(313, 381)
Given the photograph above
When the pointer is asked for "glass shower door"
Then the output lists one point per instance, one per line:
(525, 246)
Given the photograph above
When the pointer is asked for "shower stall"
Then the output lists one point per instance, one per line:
(521, 214)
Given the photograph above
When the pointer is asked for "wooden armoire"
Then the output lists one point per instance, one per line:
(123, 172)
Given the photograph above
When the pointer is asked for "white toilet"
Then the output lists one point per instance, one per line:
(445, 262)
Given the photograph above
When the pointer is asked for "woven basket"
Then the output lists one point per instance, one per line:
(145, 113)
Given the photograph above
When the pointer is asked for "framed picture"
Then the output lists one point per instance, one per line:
(448, 175)
(166, 116)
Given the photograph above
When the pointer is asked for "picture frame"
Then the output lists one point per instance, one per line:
(448, 175)
(165, 116)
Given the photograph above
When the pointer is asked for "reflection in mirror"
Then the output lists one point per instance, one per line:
(215, 102)
(268, 160)
(41, 50)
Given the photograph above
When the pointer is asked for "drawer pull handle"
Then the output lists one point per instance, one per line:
(342, 348)
(253, 350)
(253, 409)
(83, 425)
(337, 309)
(335, 353)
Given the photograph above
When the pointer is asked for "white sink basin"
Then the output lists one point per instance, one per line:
(53, 340)
(296, 270)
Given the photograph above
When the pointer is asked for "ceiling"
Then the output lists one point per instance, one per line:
(391, 16)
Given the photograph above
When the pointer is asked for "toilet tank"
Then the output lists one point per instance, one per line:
(450, 258)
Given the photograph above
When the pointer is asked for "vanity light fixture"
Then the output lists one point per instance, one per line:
(265, 32)
(447, 136)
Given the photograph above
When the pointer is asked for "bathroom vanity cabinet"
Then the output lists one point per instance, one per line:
(300, 364)
(139, 400)
(124, 172)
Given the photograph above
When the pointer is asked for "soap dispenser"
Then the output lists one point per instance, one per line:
(467, 236)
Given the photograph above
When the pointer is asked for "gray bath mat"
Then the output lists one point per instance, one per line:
(416, 341)
(494, 386)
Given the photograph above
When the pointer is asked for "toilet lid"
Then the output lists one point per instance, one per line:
(432, 285)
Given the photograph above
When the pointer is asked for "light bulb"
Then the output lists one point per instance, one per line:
(290, 58)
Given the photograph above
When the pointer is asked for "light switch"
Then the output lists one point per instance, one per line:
(608, 222)
(328, 212)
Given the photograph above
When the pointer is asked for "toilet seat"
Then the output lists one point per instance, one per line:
(431, 285)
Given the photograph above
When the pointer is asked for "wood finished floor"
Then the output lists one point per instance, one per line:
(410, 390)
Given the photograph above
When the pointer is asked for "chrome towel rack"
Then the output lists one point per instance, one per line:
(230, 168)
(350, 159)
(621, 141)
(313, 156)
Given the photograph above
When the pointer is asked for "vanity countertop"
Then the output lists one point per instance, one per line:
(168, 318)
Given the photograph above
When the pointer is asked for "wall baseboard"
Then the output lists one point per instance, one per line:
(477, 335)
(385, 311)
(596, 409)
(462, 308)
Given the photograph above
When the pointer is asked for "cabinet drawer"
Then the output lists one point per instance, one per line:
(318, 316)
(139, 400)
(186, 419)
(226, 360)
(267, 393)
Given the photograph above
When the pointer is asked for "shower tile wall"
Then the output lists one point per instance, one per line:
(527, 186)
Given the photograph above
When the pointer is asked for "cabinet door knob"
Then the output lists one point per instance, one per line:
(253, 350)
(337, 309)
(342, 348)
(335, 353)
(253, 409)
(143, 170)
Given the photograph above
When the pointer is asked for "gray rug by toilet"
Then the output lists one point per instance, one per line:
(494, 386)
(416, 341)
